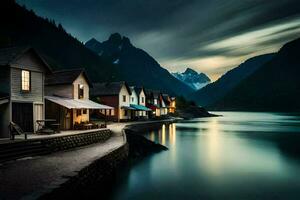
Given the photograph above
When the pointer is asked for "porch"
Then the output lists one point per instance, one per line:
(73, 114)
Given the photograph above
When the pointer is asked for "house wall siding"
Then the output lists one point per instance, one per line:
(36, 93)
(28, 61)
(81, 80)
(135, 98)
(125, 92)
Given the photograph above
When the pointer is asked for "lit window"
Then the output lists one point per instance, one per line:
(80, 91)
(112, 112)
(124, 98)
(155, 101)
(25, 80)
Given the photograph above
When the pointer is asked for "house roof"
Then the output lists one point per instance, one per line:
(8, 55)
(138, 90)
(156, 94)
(166, 97)
(68, 76)
(77, 103)
(109, 89)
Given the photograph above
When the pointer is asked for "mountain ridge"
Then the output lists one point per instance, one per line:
(273, 87)
(212, 92)
(135, 65)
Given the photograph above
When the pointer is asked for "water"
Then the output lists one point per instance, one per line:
(238, 156)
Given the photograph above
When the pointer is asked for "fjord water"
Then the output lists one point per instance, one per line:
(241, 155)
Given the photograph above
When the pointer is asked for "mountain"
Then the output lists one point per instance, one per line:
(60, 49)
(136, 66)
(192, 78)
(211, 93)
(273, 87)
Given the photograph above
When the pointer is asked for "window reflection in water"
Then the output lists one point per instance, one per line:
(163, 137)
(152, 136)
(172, 134)
(213, 145)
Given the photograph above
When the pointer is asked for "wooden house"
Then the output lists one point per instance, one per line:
(138, 102)
(67, 98)
(170, 103)
(117, 95)
(22, 75)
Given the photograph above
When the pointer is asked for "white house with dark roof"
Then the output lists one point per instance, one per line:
(138, 101)
(22, 74)
(67, 98)
(117, 95)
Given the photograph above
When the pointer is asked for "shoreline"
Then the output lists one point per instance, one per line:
(100, 175)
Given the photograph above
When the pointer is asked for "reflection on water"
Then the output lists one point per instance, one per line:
(213, 150)
(238, 156)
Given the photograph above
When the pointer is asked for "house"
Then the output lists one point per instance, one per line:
(22, 74)
(153, 102)
(67, 98)
(163, 105)
(170, 102)
(156, 102)
(138, 102)
(116, 95)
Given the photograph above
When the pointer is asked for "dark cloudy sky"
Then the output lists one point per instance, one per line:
(211, 36)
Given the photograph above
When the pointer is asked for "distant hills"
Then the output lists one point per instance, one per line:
(192, 78)
(120, 60)
(275, 86)
(135, 65)
(213, 92)
(24, 28)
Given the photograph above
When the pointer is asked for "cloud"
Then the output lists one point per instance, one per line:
(210, 36)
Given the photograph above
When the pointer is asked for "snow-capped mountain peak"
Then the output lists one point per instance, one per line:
(192, 78)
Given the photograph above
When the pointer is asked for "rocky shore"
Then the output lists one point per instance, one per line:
(98, 179)
(140, 147)
(191, 112)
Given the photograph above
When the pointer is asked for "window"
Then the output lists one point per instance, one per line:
(124, 98)
(143, 100)
(125, 112)
(112, 112)
(80, 91)
(155, 101)
(78, 112)
(132, 99)
(84, 111)
(25, 80)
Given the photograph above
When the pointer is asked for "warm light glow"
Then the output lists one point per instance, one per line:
(152, 136)
(172, 134)
(163, 137)
(25, 80)
(213, 149)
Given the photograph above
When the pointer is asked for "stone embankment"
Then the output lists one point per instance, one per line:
(79, 172)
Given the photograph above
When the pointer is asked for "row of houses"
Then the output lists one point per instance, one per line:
(32, 94)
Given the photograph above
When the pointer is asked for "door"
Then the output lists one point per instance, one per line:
(22, 114)
(38, 114)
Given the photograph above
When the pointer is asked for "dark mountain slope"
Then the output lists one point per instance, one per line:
(274, 87)
(59, 48)
(136, 66)
(218, 89)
